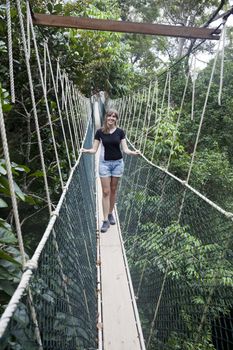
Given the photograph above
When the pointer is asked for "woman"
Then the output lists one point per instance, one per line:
(111, 165)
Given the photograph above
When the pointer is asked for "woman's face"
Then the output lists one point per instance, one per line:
(111, 119)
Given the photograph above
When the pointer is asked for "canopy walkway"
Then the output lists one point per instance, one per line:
(161, 278)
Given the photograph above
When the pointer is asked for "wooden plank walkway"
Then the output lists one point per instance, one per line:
(120, 329)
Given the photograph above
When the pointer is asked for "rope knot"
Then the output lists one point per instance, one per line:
(229, 215)
(54, 213)
(184, 182)
(30, 265)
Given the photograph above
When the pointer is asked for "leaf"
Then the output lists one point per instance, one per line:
(31, 200)
(5, 188)
(5, 256)
(7, 236)
(4, 273)
(18, 192)
(2, 170)
(22, 168)
(6, 107)
(38, 173)
(50, 7)
(7, 287)
(3, 204)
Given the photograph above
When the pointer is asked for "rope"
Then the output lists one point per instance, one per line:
(32, 264)
(139, 113)
(194, 78)
(70, 100)
(178, 121)
(11, 185)
(222, 64)
(46, 102)
(145, 116)
(10, 53)
(203, 113)
(227, 214)
(150, 112)
(134, 114)
(28, 29)
(67, 114)
(160, 114)
(34, 104)
(58, 107)
(182, 203)
(45, 67)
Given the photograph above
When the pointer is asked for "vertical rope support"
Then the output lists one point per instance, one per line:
(194, 77)
(129, 120)
(46, 102)
(222, 64)
(124, 104)
(193, 99)
(75, 116)
(34, 104)
(145, 117)
(57, 76)
(28, 29)
(10, 51)
(183, 199)
(67, 114)
(141, 98)
(149, 115)
(178, 122)
(169, 95)
(71, 107)
(127, 104)
(203, 113)
(45, 68)
(77, 111)
(135, 97)
(11, 185)
(160, 114)
(59, 109)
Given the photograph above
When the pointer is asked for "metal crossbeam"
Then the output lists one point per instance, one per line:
(126, 27)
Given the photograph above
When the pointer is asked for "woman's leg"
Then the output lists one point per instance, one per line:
(113, 190)
(105, 183)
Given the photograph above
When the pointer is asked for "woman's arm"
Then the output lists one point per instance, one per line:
(127, 150)
(93, 149)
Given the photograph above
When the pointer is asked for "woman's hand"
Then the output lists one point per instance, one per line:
(84, 150)
(127, 150)
(87, 150)
(134, 153)
(92, 150)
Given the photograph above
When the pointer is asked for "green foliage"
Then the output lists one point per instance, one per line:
(10, 263)
(4, 96)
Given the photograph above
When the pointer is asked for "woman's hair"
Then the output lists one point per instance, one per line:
(105, 128)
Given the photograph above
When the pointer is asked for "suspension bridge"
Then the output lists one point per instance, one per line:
(161, 278)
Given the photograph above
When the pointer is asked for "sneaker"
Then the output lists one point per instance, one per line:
(105, 226)
(111, 219)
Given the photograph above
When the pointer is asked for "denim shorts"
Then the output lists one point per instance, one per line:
(108, 168)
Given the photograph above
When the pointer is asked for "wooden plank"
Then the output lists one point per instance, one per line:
(120, 330)
(125, 26)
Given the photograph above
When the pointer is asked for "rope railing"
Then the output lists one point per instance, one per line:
(178, 241)
(192, 306)
(54, 305)
(52, 274)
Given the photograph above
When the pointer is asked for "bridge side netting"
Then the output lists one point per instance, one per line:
(63, 287)
(179, 250)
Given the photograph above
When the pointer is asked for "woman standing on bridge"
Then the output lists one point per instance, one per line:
(111, 165)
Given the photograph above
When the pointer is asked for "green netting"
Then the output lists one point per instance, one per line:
(64, 285)
(179, 250)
